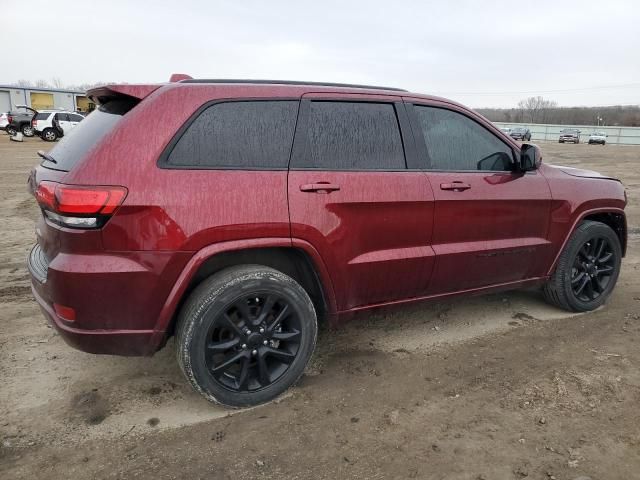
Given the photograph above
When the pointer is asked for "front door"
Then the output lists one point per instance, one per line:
(490, 223)
(352, 197)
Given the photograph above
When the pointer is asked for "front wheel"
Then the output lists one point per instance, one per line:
(245, 335)
(587, 269)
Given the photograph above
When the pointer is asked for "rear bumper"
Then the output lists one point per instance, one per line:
(117, 299)
(110, 342)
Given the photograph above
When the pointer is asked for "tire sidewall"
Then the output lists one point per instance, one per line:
(581, 237)
(217, 300)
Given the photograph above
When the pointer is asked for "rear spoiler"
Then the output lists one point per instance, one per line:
(100, 95)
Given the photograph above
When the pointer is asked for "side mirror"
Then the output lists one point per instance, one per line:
(530, 158)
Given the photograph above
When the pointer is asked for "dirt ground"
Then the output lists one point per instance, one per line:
(493, 387)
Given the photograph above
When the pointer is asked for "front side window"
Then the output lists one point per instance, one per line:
(251, 134)
(352, 136)
(455, 142)
(62, 117)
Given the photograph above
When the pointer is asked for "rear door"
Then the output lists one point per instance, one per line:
(353, 198)
(490, 223)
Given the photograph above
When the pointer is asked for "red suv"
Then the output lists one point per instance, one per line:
(234, 214)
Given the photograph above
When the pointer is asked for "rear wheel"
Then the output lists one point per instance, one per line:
(587, 269)
(245, 335)
(27, 130)
(11, 130)
(49, 135)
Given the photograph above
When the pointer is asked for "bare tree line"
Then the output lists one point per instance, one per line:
(540, 110)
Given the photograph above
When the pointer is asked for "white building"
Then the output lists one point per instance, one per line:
(43, 98)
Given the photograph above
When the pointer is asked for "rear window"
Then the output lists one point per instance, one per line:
(88, 133)
(352, 136)
(42, 116)
(238, 135)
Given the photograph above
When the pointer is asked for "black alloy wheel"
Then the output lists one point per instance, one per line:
(592, 269)
(587, 270)
(245, 335)
(253, 342)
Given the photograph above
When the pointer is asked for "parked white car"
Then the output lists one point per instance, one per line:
(598, 137)
(50, 125)
(4, 120)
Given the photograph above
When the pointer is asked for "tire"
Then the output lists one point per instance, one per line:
(211, 333)
(588, 247)
(49, 135)
(27, 130)
(11, 130)
(560, 141)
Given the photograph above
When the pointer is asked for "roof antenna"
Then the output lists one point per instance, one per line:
(176, 77)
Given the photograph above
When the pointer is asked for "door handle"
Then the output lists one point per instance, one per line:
(456, 186)
(320, 187)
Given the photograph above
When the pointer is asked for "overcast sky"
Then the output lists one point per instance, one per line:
(481, 53)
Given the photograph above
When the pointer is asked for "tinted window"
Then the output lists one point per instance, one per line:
(238, 135)
(455, 142)
(352, 136)
(62, 117)
(76, 118)
(88, 133)
(42, 115)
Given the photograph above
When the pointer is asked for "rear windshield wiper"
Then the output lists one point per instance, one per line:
(47, 157)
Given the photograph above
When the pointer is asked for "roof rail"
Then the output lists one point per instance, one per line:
(288, 82)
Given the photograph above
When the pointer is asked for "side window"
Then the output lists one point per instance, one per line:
(455, 142)
(76, 118)
(254, 134)
(352, 136)
(62, 117)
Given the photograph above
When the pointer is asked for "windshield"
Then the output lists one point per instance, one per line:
(88, 133)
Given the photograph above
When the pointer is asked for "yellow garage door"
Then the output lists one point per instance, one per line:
(41, 101)
(83, 104)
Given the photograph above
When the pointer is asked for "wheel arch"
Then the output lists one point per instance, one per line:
(613, 217)
(299, 260)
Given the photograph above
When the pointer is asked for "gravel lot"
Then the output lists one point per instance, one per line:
(493, 387)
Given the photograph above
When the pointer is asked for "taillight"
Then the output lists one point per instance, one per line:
(78, 206)
(34, 122)
(10, 118)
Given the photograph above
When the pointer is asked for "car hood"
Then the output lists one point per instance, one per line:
(579, 172)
